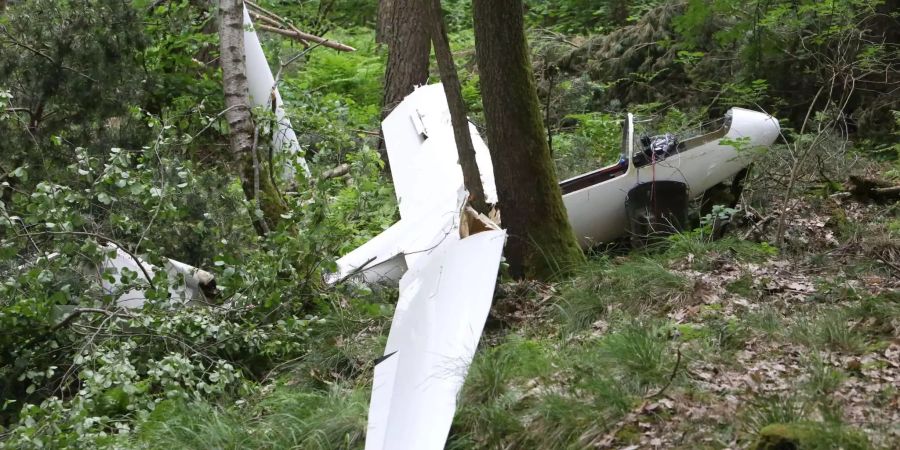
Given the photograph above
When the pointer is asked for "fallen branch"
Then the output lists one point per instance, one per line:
(756, 226)
(355, 271)
(301, 36)
(278, 25)
(866, 189)
(79, 311)
(338, 171)
(671, 377)
(121, 247)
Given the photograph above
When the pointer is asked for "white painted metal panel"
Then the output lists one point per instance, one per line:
(440, 316)
(422, 152)
(184, 280)
(597, 213)
(262, 92)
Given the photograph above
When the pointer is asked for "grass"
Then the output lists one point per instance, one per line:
(634, 286)
(766, 320)
(705, 251)
(828, 329)
(639, 351)
(284, 418)
(767, 410)
(565, 384)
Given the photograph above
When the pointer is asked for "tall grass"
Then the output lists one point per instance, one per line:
(285, 418)
(635, 285)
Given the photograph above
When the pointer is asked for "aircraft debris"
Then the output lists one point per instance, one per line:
(427, 177)
(443, 305)
(264, 92)
(596, 200)
(186, 283)
(445, 255)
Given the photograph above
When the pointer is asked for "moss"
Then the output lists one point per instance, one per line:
(743, 286)
(808, 435)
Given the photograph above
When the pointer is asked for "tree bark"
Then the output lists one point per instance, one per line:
(453, 91)
(541, 242)
(383, 21)
(253, 170)
(409, 47)
(619, 12)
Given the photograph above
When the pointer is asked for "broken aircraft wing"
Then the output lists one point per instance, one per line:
(428, 180)
(443, 305)
(263, 92)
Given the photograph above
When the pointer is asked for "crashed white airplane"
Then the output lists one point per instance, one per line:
(596, 201)
(447, 280)
(419, 140)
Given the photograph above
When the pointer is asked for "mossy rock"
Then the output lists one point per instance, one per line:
(809, 435)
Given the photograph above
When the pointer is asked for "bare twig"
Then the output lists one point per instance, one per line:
(31, 49)
(79, 311)
(105, 238)
(671, 376)
(277, 24)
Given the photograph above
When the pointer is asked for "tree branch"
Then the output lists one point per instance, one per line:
(301, 36)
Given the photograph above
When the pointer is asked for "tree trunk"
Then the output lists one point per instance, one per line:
(541, 242)
(453, 91)
(618, 13)
(253, 170)
(383, 21)
(409, 47)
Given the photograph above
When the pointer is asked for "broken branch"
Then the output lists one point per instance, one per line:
(338, 171)
(301, 36)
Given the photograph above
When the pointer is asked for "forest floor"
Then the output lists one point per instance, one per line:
(693, 343)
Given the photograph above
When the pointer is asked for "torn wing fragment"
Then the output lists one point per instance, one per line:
(440, 315)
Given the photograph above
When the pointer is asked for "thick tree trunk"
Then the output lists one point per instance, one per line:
(253, 170)
(541, 242)
(409, 46)
(453, 91)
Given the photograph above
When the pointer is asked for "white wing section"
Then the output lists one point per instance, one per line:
(428, 182)
(422, 152)
(263, 92)
(440, 316)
